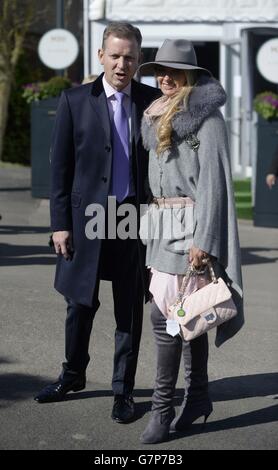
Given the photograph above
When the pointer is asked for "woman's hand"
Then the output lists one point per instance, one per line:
(196, 256)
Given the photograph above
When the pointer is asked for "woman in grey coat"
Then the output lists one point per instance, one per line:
(192, 217)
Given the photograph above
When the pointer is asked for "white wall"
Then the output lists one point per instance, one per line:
(227, 33)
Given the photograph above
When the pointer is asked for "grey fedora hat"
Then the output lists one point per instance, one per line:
(174, 53)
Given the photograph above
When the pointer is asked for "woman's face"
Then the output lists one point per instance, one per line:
(170, 80)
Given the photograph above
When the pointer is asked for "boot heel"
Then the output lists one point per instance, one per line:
(188, 416)
(79, 386)
(205, 420)
(206, 417)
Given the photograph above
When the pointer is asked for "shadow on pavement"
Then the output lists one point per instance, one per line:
(251, 255)
(252, 418)
(246, 386)
(22, 188)
(237, 388)
(230, 388)
(22, 229)
(17, 387)
(6, 360)
(20, 255)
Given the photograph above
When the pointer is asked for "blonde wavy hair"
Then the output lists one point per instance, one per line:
(178, 102)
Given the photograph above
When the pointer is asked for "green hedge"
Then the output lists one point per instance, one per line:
(17, 140)
(17, 137)
(243, 198)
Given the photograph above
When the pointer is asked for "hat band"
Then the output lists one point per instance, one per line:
(174, 62)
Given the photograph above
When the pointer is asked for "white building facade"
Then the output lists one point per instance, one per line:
(226, 34)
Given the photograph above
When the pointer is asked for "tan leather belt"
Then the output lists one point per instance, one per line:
(170, 202)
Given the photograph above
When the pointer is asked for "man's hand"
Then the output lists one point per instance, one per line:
(196, 256)
(270, 180)
(63, 243)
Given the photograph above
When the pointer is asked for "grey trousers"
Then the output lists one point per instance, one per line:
(169, 352)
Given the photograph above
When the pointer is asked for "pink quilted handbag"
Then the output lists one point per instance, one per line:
(203, 310)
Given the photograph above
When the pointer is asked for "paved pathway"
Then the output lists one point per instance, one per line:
(243, 372)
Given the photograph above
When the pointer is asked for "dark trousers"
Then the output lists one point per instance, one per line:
(169, 352)
(120, 258)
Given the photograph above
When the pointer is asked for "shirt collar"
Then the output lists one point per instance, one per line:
(110, 91)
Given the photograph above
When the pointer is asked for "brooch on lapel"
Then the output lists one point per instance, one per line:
(193, 142)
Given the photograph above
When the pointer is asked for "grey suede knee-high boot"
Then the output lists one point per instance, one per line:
(168, 361)
(196, 401)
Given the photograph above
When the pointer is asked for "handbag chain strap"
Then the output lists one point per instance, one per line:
(192, 271)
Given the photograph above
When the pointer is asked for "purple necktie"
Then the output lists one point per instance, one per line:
(120, 167)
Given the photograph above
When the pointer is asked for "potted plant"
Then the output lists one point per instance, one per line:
(34, 92)
(266, 105)
(43, 98)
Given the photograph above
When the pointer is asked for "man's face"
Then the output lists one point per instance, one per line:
(120, 60)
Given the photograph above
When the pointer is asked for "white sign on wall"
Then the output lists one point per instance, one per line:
(267, 60)
(58, 49)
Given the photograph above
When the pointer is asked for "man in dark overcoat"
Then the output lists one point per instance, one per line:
(92, 162)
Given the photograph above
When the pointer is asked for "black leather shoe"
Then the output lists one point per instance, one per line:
(123, 409)
(58, 390)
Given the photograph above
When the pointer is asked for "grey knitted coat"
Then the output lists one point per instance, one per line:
(203, 174)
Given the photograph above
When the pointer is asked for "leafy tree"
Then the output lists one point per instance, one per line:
(21, 23)
(16, 16)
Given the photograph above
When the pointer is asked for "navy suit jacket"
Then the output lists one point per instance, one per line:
(81, 162)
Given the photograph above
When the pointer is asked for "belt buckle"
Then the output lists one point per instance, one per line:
(155, 202)
(164, 203)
